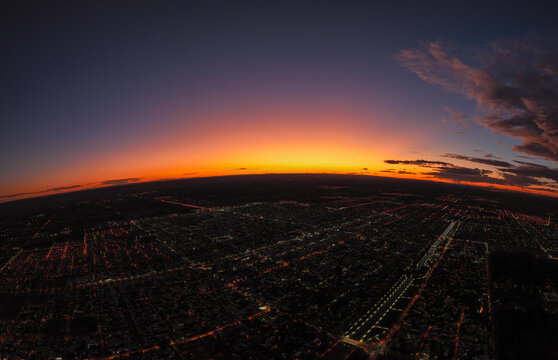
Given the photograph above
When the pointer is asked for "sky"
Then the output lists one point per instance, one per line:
(100, 93)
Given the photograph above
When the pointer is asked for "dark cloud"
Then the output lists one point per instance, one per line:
(515, 85)
(426, 163)
(365, 169)
(520, 180)
(532, 171)
(526, 174)
(537, 149)
(529, 163)
(120, 181)
(525, 157)
(60, 188)
(405, 172)
(190, 173)
(492, 162)
(460, 174)
(241, 169)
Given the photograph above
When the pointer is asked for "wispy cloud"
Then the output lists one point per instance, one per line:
(485, 161)
(488, 155)
(457, 117)
(49, 190)
(515, 86)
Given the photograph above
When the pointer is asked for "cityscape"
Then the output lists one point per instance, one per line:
(280, 267)
(278, 180)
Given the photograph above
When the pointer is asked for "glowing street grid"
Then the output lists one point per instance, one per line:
(340, 271)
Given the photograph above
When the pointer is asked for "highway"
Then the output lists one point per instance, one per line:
(361, 330)
(370, 320)
(434, 246)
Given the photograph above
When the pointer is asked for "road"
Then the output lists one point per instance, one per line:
(186, 205)
(434, 246)
(369, 321)
(10, 261)
(360, 331)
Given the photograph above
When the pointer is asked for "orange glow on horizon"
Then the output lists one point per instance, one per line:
(331, 139)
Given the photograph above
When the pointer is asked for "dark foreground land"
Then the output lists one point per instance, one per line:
(280, 267)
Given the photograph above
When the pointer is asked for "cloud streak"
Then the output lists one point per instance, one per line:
(69, 187)
(120, 181)
(491, 161)
(426, 163)
(457, 117)
(60, 188)
(49, 190)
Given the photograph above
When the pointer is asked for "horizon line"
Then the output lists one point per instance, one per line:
(486, 186)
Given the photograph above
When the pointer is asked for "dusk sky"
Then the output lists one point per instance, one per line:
(97, 93)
